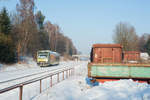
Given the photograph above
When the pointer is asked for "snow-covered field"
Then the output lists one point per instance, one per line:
(75, 88)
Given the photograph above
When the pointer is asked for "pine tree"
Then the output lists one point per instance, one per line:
(7, 48)
(40, 20)
(5, 25)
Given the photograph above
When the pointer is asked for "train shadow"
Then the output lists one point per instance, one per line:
(50, 66)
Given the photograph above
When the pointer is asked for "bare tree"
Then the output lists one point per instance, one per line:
(52, 31)
(58, 42)
(26, 26)
(142, 41)
(125, 35)
(61, 44)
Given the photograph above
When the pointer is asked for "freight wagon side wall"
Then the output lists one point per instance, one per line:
(119, 71)
(107, 55)
(131, 56)
(118, 55)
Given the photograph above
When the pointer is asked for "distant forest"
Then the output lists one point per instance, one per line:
(24, 32)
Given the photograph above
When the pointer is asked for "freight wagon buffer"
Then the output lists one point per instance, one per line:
(106, 65)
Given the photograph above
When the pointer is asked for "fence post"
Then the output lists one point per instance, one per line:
(51, 83)
(66, 73)
(63, 75)
(57, 77)
(69, 72)
(40, 86)
(21, 92)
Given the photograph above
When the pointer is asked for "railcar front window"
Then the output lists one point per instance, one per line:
(42, 56)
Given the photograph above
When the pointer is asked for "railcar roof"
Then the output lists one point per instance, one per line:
(107, 46)
(44, 51)
(52, 52)
(132, 52)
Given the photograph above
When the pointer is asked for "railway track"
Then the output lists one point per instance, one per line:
(11, 78)
(7, 76)
(21, 79)
(25, 75)
(21, 87)
(65, 72)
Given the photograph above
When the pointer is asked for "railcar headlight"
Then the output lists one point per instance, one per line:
(46, 60)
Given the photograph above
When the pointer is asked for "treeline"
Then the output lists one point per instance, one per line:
(125, 34)
(25, 32)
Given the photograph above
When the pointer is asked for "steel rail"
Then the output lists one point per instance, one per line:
(29, 75)
(20, 85)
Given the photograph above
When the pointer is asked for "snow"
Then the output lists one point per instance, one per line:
(119, 90)
(12, 77)
(144, 56)
(75, 88)
(29, 63)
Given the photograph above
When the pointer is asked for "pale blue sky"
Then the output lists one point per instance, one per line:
(92, 21)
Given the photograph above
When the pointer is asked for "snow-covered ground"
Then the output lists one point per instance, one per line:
(23, 72)
(28, 64)
(75, 88)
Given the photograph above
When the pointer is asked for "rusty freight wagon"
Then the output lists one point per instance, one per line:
(106, 53)
(101, 70)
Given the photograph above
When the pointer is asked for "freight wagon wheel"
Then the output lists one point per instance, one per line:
(148, 81)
